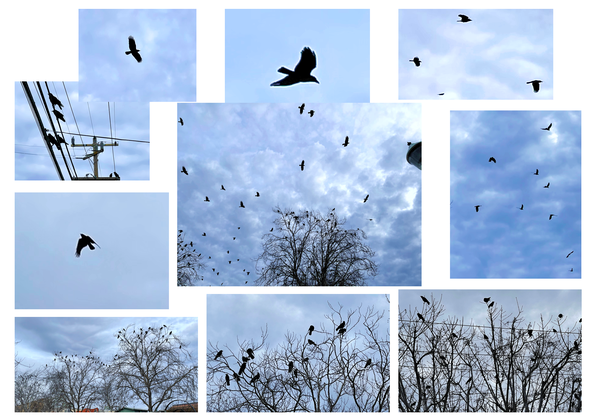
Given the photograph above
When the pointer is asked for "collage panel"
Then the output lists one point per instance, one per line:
(91, 251)
(270, 196)
(298, 353)
(489, 351)
(515, 189)
(85, 141)
(137, 55)
(310, 55)
(106, 364)
(475, 54)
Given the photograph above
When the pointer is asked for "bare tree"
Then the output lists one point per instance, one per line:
(307, 249)
(155, 367)
(30, 391)
(342, 366)
(503, 366)
(188, 262)
(110, 396)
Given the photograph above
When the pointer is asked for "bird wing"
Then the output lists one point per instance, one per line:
(308, 61)
(137, 56)
(81, 243)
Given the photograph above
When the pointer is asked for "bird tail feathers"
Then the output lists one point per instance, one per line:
(285, 70)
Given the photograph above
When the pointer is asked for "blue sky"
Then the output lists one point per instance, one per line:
(259, 42)
(502, 241)
(128, 271)
(128, 121)
(258, 148)
(167, 43)
(492, 57)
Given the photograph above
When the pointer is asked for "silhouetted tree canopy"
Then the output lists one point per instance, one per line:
(189, 262)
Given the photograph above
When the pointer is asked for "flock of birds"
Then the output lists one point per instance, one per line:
(340, 330)
(465, 19)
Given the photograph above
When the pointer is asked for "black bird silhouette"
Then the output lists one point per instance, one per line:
(425, 300)
(550, 218)
(301, 166)
(58, 115)
(133, 50)
(342, 331)
(311, 113)
(464, 19)
(242, 205)
(368, 363)
(290, 367)
(416, 61)
(222, 188)
(245, 359)
(560, 315)
(521, 208)
(257, 195)
(255, 378)
(301, 73)
(547, 128)
(250, 353)
(305, 360)
(342, 325)
(311, 329)
(547, 185)
(271, 230)
(490, 305)
(537, 172)
(441, 94)
(180, 120)
(571, 270)
(207, 200)
(311, 342)
(204, 234)
(569, 253)
(485, 336)
(477, 207)
(366, 198)
(295, 373)
(83, 242)
(346, 142)
(301, 108)
(219, 354)
(242, 369)
(184, 170)
(55, 101)
(535, 84)
(492, 160)
(227, 379)
(421, 317)
(530, 333)
(408, 143)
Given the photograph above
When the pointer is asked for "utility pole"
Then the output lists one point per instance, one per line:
(97, 148)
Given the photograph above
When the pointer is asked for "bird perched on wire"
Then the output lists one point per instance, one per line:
(547, 128)
(301, 73)
(83, 242)
(58, 115)
(301, 166)
(180, 120)
(346, 142)
(311, 113)
(301, 107)
(55, 101)
(416, 61)
(464, 19)
(535, 84)
(184, 170)
(133, 50)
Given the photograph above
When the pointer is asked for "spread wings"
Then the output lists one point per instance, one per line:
(307, 63)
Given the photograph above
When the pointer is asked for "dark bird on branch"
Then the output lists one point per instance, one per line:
(550, 218)
(301, 166)
(416, 61)
(342, 325)
(560, 315)
(485, 337)
(477, 207)
(219, 354)
(245, 359)
(305, 360)
(368, 363)
(295, 373)
(342, 331)
(242, 369)
(490, 305)
(301, 73)
(492, 160)
(464, 19)
(184, 170)
(346, 142)
(255, 378)
(547, 185)
(242, 205)
(290, 367)
(227, 379)
(311, 329)
(236, 376)
(535, 84)
(424, 299)
(311, 113)
(58, 115)
(530, 333)
(55, 101)
(301, 108)
(133, 50)
(83, 242)
(180, 120)
(537, 172)
(366, 198)
(250, 353)
(311, 342)
(547, 128)
(420, 317)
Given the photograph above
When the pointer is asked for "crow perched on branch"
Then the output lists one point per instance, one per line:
(301, 73)
(133, 50)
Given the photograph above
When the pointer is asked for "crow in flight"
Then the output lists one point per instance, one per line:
(416, 61)
(184, 170)
(477, 207)
(424, 299)
(492, 160)
(301, 166)
(301, 73)
(58, 115)
(55, 101)
(83, 242)
(311, 329)
(570, 253)
(301, 108)
(535, 84)
(521, 208)
(242, 206)
(547, 128)
(290, 367)
(180, 120)
(550, 218)
(257, 195)
(219, 354)
(547, 186)
(537, 172)
(311, 113)
(346, 142)
(250, 353)
(133, 50)
(464, 19)
(366, 198)
(207, 200)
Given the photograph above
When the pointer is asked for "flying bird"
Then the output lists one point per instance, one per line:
(424, 299)
(311, 329)
(207, 200)
(570, 253)
(346, 142)
(242, 205)
(550, 218)
(535, 84)
(55, 101)
(257, 195)
(219, 354)
(301, 107)
(441, 94)
(547, 186)
(537, 172)
(180, 120)
(133, 50)
(301, 166)
(366, 198)
(547, 128)
(83, 242)
(464, 19)
(492, 160)
(416, 61)
(184, 170)
(342, 331)
(311, 113)
(301, 73)
(477, 207)
(58, 115)
(521, 208)
(222, 188)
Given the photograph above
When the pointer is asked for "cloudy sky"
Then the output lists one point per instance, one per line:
(128, 271)
(259, 42)
(127, 121)
(258, 148)
(492, 57)
(166, 40)
(468, 305)
(39, 338)
(502, 241)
